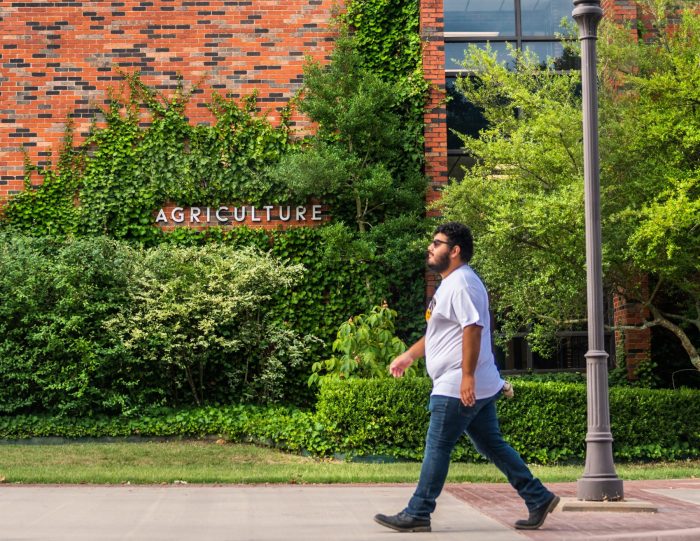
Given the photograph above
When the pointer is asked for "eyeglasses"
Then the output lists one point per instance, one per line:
(438, 242)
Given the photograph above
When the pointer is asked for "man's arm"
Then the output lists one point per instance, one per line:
(399, 365)
(471, 346)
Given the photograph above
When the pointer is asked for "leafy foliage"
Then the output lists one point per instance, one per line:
(200, 315)
(386, 34)
(49, 209)
(652, 186)
(365, 345)
(288, 428)
(355, 158)
(92, 325)
(55, 354)
(545, 423)
(525, 205)
(524, 198)
(125, 169)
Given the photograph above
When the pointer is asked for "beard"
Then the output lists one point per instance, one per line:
(439, 264)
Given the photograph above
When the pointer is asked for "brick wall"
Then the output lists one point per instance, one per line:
(621, 11)
(431, 24)
(432, 27)
(635, 343)
(60, 58)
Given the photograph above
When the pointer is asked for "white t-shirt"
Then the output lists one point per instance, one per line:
(460, 300)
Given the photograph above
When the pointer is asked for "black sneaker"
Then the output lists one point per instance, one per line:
(403, 522)
(536, 518)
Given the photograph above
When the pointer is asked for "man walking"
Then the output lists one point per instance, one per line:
(466, 385)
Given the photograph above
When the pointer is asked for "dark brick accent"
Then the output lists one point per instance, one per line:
(66, 68)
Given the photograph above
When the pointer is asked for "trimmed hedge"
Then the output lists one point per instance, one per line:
(545, 423)
(276, 426)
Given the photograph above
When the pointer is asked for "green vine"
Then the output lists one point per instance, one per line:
(387, 36)
(49, 209)
(147, 152)
(126, 169)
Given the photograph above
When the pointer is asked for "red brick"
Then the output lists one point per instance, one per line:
(209, 43)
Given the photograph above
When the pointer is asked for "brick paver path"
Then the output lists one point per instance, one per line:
(501, 502)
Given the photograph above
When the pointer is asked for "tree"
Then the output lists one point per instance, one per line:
(651, 97)
(353, 159)
(524, 198)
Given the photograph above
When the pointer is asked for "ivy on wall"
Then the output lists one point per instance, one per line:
(126, 169)
(49, 209)
(387, 36)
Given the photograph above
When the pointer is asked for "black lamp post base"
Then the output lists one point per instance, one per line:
(599, 489)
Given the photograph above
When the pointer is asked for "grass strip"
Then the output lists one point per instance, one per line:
(208, 462)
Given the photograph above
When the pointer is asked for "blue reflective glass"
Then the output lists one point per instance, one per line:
(543, 17)
(455, 52)
(563, 60)
(482, 16)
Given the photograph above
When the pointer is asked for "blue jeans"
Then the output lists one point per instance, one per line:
(449, 419)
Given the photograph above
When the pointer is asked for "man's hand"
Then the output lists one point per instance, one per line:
(399, 365)
(467, 390)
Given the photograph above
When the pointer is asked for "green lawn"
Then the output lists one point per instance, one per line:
(208, 462)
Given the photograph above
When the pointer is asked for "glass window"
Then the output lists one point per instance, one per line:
(462, 116)
(568, 355)
(455, 52)
(456, 164)
(495, 17)
(543, 17)
(563, 59)
(526, 24)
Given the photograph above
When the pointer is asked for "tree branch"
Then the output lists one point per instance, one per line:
(568, 152)
(653, 293)
(532, 174)
(680, 334)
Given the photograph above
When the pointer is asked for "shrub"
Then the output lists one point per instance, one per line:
(94, 326)
(376, 416)
(55, 353)
(286, 428)
(561, 377)
(201, 315)
(365, 345)
(545, 423)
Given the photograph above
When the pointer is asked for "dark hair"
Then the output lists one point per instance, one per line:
(459, 235)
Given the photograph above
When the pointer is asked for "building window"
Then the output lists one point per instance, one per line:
(480, 17)
(525, 24)
(569, 354)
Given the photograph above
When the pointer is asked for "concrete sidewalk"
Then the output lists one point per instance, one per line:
(227, 513)
(324, 512)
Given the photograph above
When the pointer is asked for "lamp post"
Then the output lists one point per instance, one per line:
(599, 481)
